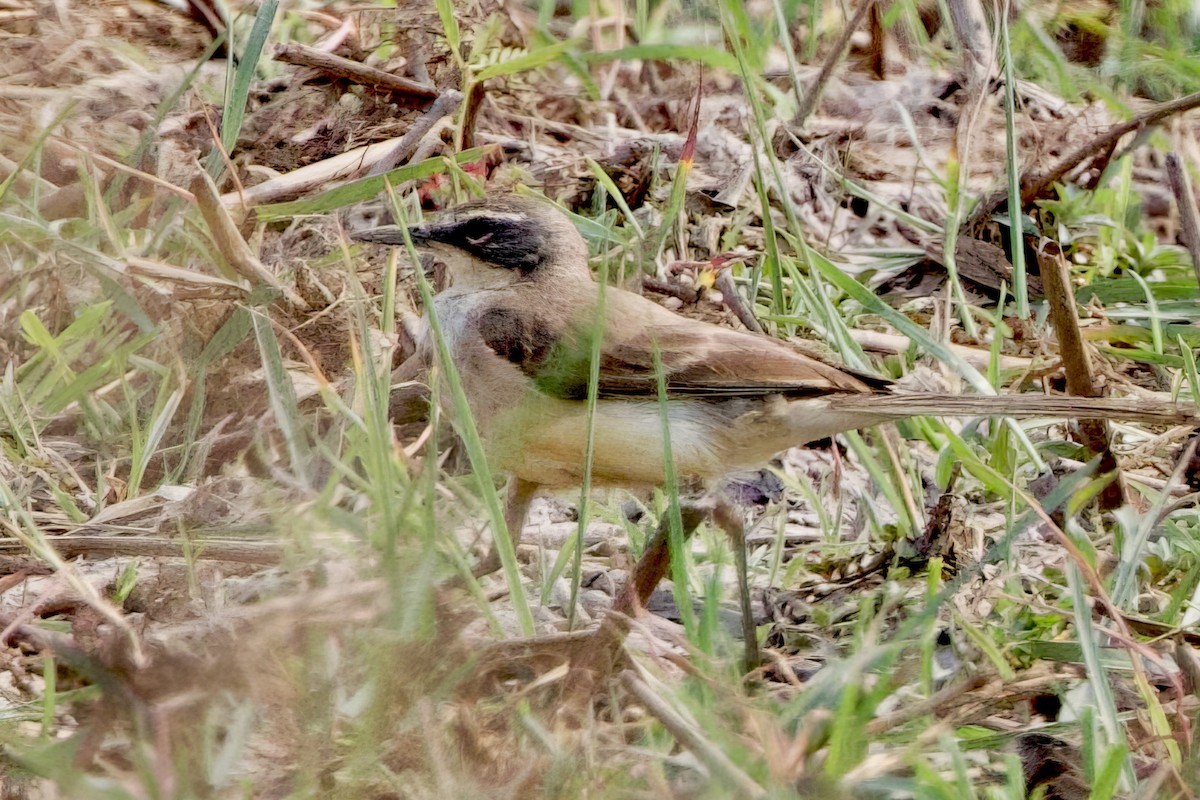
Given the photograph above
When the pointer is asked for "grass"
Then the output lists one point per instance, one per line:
(347, 671)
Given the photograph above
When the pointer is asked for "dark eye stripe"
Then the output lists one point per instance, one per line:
(509, 243)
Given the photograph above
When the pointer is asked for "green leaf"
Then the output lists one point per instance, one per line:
(464, 423)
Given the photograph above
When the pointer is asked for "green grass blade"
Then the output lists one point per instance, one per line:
(1156, 324)
(364, 188)
(709, 56)
(446, 14)
(679, 559)
(465, 423)
(281, 393)
(679, 182)
(606, 181)
(593, 394)
(164, 412)
(1012, 171)
(1189, 370)
(35, 147)
(866, 298)
(234, 111)
(1098, 682)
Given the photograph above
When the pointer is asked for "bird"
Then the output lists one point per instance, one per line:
(521, 317)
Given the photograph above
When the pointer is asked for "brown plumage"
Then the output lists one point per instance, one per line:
(521, 316)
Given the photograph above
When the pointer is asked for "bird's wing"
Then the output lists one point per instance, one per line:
(640, 338)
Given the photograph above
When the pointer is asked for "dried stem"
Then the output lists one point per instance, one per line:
(1034, 183)
(353, 71)
(809, 103)
(1056, 282)
(1189, 217)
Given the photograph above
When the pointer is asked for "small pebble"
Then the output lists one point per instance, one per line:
(673, 303)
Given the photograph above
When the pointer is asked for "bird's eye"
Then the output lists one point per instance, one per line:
(499, 241)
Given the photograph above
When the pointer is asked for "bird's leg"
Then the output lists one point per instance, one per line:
(652, 567)
(729, 518)
(516, 507)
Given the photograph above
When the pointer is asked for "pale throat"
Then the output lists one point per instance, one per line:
(468, 272)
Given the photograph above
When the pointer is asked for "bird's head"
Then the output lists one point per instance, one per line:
(496, 242)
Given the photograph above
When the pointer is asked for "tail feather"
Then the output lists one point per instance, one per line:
(901, 404)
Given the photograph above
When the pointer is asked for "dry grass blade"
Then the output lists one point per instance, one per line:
(689, 736)
(170, 272)
(312, 176)
(231, 244)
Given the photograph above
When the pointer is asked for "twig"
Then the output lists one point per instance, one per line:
(1035, 183)
(876, 61)
(809, 103)
(230, 242)
(474, 102)
(353, 71)
(688, 736)
(153, 547)
(931, 705)
(407, 144)
(1189, 217)
(61, 645)
(1020, 404)
(687, 294)
(735, 303)
(1077, 365)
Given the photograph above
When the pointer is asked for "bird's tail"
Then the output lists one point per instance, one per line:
(908, 404)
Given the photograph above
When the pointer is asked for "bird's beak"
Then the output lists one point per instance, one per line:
(394, 235)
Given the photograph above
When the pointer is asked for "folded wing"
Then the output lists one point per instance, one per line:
(640, 339)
